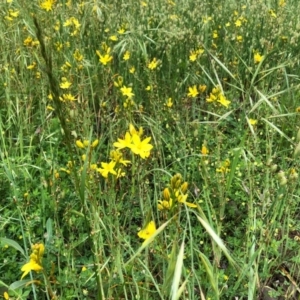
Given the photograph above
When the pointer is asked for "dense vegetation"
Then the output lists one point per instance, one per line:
(149, 149)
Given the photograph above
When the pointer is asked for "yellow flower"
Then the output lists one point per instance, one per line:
(148, 231)
(252, 122)
(193, 55)
(238, 23)
(169, 103)
(107, 168)
(153, 64)
(113, 38)
(121, 31)
(193, 92)
(182, 199)
(239, 38)
(5, 296)
(126, 143)
(105, 59)
(14, 13)
(257, 58)
(141, 147)
(35, 262)
(65, 84)
(222, 100)
(126, 55)
(67, 97)
(47, 5)
(127, 91)
(215, 34)
(204, 150)
(132, 70)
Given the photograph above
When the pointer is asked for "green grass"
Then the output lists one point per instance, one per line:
(63, 79)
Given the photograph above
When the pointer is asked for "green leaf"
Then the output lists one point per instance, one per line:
(171, 269)
(218, 241)
(177, 273)
(20, 284)
(13, 244)
(49, 230)
(148, 241)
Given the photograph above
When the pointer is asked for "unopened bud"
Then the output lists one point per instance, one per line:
(166, 194)
(184, 187)
(274, 168)
(282, 178)
(95, 143)
(174, 180)
(79, 144)
(283, 181)
(177, 184)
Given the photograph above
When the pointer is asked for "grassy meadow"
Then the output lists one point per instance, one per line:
(149, 149)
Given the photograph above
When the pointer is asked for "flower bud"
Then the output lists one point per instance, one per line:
(282, 178)
(274, 168)
(79, 144)
(177, 184)
(174, 180)
(293, 174)
(95, 143)
(166, 194)
(184, 187)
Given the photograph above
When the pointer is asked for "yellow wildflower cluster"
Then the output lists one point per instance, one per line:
(106, 168)
(133, 141)
(174, 194)
(47, 4)
(30, 42)
(105, 57)
(152, 65)
(194, 90)
(74, 24)
(126, 91)
(12, 14)
(216, 95)
(35, 262)
(194, 54)
(225, 167)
